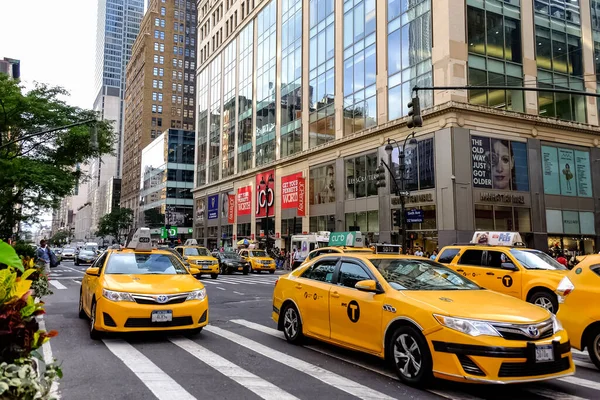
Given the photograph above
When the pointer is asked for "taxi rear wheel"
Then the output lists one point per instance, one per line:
(94, 334)
(545, 300)
(82, 313)
(410, 356)
(593, 346)
(292, 326)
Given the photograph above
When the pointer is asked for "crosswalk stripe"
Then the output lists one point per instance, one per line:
(155, 379)
(259, 327)
(553, 394)
(77, 282)
(225, 280)
(581, 382)
(57, 284)
(210, 282)
(221, 288)
(257, 385)
(325, 376)
(575, 351)
(584, 364)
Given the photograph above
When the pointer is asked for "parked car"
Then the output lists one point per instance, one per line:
(85, 257)
(230, 262)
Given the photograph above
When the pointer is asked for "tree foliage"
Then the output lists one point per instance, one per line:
(153, 218)
(36, 171)
(59, 237)
(115, 223)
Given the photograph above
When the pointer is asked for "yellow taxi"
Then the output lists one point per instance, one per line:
(422, 317)
(259, 260)
(140, 288)
(199, 257)
(578, 292)
(526, 274)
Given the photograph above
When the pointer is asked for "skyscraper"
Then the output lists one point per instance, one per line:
(117, 28)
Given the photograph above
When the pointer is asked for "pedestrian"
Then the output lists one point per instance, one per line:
(434, 255)
(561, 259)
(419, 252)
(43, 255)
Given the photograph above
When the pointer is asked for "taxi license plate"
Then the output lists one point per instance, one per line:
(206, 267)
(240, 268)
(544, 353)
(162, 316)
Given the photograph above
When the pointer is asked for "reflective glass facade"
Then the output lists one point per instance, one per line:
(202, 129)
(214, 124)
(245, 76)
(228, 142)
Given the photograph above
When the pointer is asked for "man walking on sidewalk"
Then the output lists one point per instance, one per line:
(43, 255)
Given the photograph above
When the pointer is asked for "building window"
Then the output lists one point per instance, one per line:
(320, 223)
(153, 108)
(202, 128)
(162, 47)
(159, 109)
(155, 46)
(409, 54)
(245, 113)
(566, 10)
(365, 221)
(566, 171)
(163, 11)
(155, 71)
(360, 176)
(321, 185)
(229, 85)
(215, 120)
(502, 218)
(155, 59)
(156, 21)
(360, 66)
(419, 164)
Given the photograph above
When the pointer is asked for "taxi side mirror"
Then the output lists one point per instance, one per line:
(509, 266)
(368, 286)
(93, 271)
(194, 271)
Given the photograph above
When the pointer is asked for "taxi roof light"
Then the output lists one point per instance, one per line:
(191, 242)
(141, 240)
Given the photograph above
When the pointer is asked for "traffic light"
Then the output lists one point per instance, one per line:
(398, 217)
(414, 114)
(380, 176)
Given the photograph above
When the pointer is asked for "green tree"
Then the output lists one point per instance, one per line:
(60, 237)
(39, 164)
(113, 224)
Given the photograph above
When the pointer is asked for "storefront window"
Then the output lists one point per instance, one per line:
(360, 176)
(322, 223)
(419, 162)
(566, 171)
(484, 218)
(499, 164)
(364, 221)
(288, 228)
(244, 230)
(570, 222)
(502, 218)
(522, 220)
(322, 184)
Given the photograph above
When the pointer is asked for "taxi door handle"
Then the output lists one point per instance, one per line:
(490, 273)
(460, 270)
(298, 286)
(335, 294)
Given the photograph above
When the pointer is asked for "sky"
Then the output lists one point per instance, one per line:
(55, 41)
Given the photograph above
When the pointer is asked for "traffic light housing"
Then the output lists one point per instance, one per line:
(414, 114)
(380, 176)
(398, 217)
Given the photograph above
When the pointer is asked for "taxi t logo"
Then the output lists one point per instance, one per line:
(353, 311)
(507, 280)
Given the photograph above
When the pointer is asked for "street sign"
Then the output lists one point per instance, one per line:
(404, 193)
(190, 230)
(163, 233)
(353, 239)
(173, 231)
(414, 216)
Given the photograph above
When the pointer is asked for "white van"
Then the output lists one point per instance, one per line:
(304, 244)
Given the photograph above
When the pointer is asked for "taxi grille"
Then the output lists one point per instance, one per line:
(512, 370)
(469, 365)
(153, 302)
(108, 321)
(543, 330)
(147, 322)
(204, 263)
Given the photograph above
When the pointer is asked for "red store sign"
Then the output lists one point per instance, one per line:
(293, 193)
(244, 200)
(231, 209)
(265, 196)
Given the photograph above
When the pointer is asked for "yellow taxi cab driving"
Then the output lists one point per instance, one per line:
(493, 261)
(422, 317)
(140, 288)
(577, 293)
(259, 260)
(199, 257)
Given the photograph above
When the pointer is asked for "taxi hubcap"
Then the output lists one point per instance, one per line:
(93, 319)
(290, 322)
(545, 303)
(597, 346)
(407, 355)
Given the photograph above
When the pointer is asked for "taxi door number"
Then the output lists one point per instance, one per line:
(162, 316)
(544, 353)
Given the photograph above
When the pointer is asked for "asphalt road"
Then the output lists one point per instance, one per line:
(241, 356)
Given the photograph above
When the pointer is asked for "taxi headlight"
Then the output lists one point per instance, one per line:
(468, 326)
(197, 295)
(556, 324)
(116, 296)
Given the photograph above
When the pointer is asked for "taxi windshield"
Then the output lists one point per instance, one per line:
(257, 253)
(144, 264)
(409, 274)
(195, 251)
(535, 259)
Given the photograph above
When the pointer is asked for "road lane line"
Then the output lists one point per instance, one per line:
(554, 395)
(241, 294)
(584, 364)
(325, 376)
(221, 288)
(155, 379)
(580, 382)
(48, 358)
(57, 284)
(77, 282)
(58, 278)
(254, 383)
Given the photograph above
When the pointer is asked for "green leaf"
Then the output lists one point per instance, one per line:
(27, 273)
(9, 256)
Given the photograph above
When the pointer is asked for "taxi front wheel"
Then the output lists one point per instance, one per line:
(593, 346)
(545, 300)
(292, 326)
(82, 313)
(94, 334)
(410, 356)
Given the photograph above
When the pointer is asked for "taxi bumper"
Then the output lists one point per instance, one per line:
(206, 269)
(133, 317)
(257, 266)
(485, 359)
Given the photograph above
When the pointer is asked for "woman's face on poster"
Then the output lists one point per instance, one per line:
(502, 164)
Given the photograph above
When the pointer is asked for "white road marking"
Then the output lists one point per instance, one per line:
(581, 382)
(212, 283)
(76, 270)
(584, 364)
(57, 284)
(255, 384)
(259, 327)
(241, 294)
(155, 379)
(325, 376)
(582, 353)
(221, 288)
(48, 358)
(58, 278)
(78, 282)
(552, 394)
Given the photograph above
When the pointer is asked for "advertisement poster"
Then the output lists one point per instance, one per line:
(499, 164)
(301, 211)
(231, 208)
(200, 210)
(289, 191)
(225, 204)
(584, 178)
(566, 163)
(571, 222)
(550, 170)
(244, 200)
(265, 195)
(213, 206)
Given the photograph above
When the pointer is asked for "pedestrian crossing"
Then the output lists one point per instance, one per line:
(234, 280)
(226, 347)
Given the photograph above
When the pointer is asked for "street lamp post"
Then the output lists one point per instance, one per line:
(265, 186)
(401, 189)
